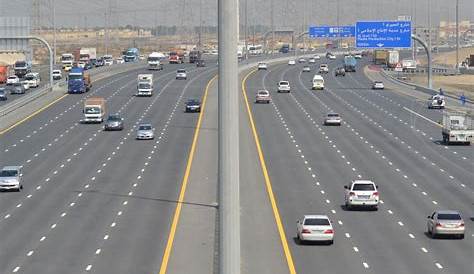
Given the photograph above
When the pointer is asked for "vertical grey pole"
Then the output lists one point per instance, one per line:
(428, 54)
(429, 25)
(54, 32)
(457, 35)
(273, 24)
(228, 167)
(244, 53)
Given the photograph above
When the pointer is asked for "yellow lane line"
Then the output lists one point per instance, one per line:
(184, 184)
(32, 115)
(276, 214)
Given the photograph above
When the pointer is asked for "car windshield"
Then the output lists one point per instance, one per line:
(284, 83)
(75, 76)
(30, 77)
(378, 83)
(12, 77)
(333, 115)
(262, 92)
(363, 187)
(114, 118)
(92, 110)
(193, 101)
(449, 216)
(324, 66)
(314, 221)
(181, 71)
(144, 127)
(8, 173)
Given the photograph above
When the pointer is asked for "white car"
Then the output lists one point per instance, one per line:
(181, 74)
(57, 75)
(25, 84)
(306, 69)
(312, 60)
(262, 66)
(358, 56)
(33, 79)
(332, 57)
(291, 62)
(284, 86)
(323, 68)
(145, 132)
(263, 96)
(301, 60)
(332, 119)
(436, 101)
(315, 228)
(362, 193)
(12, 80)
(119, 61)
(378, 85)
(317, 57)
(446, 222)
(10, 178)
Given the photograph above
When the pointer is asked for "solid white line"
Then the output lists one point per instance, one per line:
(427, 119)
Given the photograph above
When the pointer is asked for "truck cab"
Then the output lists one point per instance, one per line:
(94, 110)
(78, 81)
(21, 68)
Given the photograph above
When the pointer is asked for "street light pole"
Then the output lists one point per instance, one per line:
(457, 35)
(228, 144)
(54, 31)
(429, 24)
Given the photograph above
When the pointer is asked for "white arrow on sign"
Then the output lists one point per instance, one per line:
(380, 45)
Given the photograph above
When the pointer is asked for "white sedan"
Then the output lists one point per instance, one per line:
(12, 80)
(378, 85)
(291, 62)
(316, 228)
(262, 66)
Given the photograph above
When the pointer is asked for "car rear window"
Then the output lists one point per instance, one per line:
(363, 187)
(315, 221)
(181, 71)
(449, 216)
(333, 115)
(284, 83)
(8, 173)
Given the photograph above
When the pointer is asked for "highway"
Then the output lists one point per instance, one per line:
(309, 163)
(91, 197)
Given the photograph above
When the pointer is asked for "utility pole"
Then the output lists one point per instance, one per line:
(53, 3)
(228, 112)
(429, 24)
(457, 35)
(272, 23)
(246, 30)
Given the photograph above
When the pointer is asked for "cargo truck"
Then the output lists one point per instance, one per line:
(4, 70)
(145, 85)
(85, 54)
(458, 127)
(154, 61)
(79, 81)
(94, 110)
(131, 55)
(21, 68)
(176, 57)
(350, 63)
(393, 58)
(408, 65)
(194, 55)
(67, 59)
(380, 57)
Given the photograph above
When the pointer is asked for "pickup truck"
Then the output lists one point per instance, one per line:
(10, 178)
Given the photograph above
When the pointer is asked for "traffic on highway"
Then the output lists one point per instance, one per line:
(193, 146)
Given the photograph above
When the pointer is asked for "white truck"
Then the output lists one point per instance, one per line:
(94, 110)
(145, 85)
(67, 59)
(458, 127)
(408, 64)
(154, 61)
(393, 58)
(87, 54)
(436, 101)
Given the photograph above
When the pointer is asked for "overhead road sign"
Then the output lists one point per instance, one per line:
(331, 31)
(383, 34)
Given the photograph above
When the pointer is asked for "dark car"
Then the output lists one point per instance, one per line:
(193, 105)
(200, 63)
(340, 72)
(16, 88)
(3, 94)
(114, 122)
(88, 65)
(99, 62)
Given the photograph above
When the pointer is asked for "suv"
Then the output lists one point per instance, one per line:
(284, 86)
(361, 193)
(340, 71)
(10, 178)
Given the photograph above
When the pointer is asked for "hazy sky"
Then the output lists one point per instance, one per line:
(285, 12)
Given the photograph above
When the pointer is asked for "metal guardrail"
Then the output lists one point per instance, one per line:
(32, 96)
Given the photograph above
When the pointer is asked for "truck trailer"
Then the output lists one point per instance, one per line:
(458, 127)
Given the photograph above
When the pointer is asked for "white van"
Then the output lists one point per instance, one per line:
(318, 82)
(33, 79)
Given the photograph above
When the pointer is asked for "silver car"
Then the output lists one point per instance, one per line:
(113, 122)
(446, 222)
(145, 132)
(332, 119)
(10, 178)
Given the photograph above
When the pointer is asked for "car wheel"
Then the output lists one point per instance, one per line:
(461, 236)
(331, 242)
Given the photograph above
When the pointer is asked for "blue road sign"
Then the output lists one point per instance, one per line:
(384, 34)
(331, 31)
